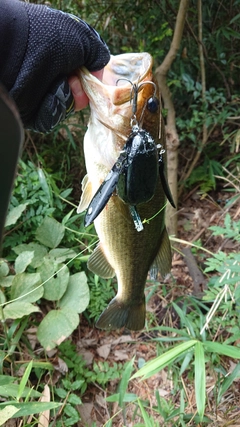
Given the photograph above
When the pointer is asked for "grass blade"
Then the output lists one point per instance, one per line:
(159, 362)
(200, 379)
(147, 419)
(227, 382)
(227, 350)
(124, 381)
(24, 380)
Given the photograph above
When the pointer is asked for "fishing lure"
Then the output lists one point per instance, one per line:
(135, 173)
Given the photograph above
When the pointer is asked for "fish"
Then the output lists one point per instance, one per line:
(122, 250)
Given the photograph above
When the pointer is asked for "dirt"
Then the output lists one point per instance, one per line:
(195, 215)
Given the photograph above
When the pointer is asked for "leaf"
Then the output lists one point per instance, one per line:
(5, 379)
(4, 269)
(44, 185)
(26, 286)
(7, 413)
(124, 381)
(145, 415)
(6, 282)
(29, 408)
(39, 252)
(200, 379)
(62, 254)
(227, 350)
(55, 278)
(23, 260)
(11, 390)
(44, 417)
(77, 294)
(160, 362)
(50, 232)
(15, 214)
(18, 309)
(113, 398)
(56, 326)
(228, 380)
(24, 380)
(2, 297)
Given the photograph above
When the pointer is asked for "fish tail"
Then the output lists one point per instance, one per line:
(121, 314)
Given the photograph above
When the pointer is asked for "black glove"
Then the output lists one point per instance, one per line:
(58, 43)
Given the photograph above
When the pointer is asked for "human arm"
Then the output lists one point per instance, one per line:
(41, 48)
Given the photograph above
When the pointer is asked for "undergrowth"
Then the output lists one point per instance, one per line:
(46, 290)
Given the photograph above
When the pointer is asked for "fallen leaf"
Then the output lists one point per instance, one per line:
(120, 355)
(104, 350)
(44, 416)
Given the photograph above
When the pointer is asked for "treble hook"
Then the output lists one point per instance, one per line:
(134, 95)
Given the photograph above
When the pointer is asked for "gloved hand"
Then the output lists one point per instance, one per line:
(58, 43)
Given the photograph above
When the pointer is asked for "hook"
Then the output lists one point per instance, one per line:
(134, 94)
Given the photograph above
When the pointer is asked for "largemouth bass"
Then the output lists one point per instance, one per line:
(123, 251)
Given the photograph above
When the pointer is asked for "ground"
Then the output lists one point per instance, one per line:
(196, 214)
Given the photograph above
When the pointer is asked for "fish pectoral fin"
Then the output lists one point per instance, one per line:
(86, 196)
(163, 260)
(99, 265)
(120, 314)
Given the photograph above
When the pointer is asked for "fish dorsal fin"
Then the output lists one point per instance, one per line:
(163, 260)
(99, 265)
(86, 196)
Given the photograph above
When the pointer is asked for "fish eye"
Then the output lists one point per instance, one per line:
(152, 104)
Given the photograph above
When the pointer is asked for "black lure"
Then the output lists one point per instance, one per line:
(136, 185)
(135, 173)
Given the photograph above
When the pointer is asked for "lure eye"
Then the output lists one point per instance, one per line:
(152, 104)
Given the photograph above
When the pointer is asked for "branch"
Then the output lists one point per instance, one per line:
(162, 70)
(172, 139)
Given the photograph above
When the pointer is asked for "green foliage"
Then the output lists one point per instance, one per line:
(41, 265)
(41, 272)
(21, 399)
(33, 199)
(100, 373)
(68, 394)
(102, 291)
(224, 285)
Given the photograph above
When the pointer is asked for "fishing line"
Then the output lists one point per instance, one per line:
(49, 278)
(152, 217)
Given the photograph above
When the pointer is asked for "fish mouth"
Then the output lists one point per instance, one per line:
(128, 66)
(118, 75)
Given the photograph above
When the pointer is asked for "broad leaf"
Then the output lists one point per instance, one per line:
(4, 269)
(62, 254)
(76, 296)
(50, 232)
(15, 214)
(27, 286)
(23, 260)
(55, 278)
(39, 252)
(18, 309)
(6, 282)
(56, 326)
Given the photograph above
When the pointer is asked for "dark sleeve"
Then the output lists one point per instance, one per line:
(13, 21)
